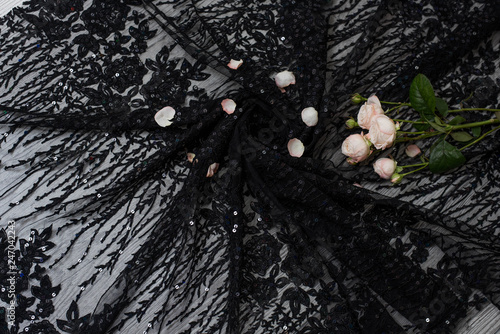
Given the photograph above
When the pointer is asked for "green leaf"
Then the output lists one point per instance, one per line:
(461, 136)
(476, 132)
(442, 137)
(421, 127)
(437, 127)
(457, 120)
(438, 121)
(422, 97)
(441, 106)
(445, 157)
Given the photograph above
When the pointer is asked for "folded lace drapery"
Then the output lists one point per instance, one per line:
(120, 233)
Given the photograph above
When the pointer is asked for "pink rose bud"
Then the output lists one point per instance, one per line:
(382, 132)
(228, 106)
(235, 64)
(356, 98)
(368, 111)
(412, 151)
(212, 169)
(190, 157)
(295, 148)
(385, 167)
(164, 116)
(356, 147)
(284, 79)
(396, 178)
(310, 116)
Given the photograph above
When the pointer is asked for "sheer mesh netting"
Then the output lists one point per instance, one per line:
(119, 230)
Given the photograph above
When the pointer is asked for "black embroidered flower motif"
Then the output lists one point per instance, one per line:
(23, 304)
(54, 29)
(296, 297)
(141, 34)
(138, 46)
(136, 17)
(339, 320)
(59, 8)
(45, 308)
(86, 43)
(74, 324)
(168, 83)
(303, 269)
(104, 97)
(124, 72)
(326, 296)
(262, 290)
(44, 327)
(105, 17)
(31, 251)
(117, 45)
(422, 240)
(485, 91)
(261, 252)
(38, 273)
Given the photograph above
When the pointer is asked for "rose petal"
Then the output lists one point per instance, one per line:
(229, 106)
(212, 169)
(412, 151)
(190, 157)
(373, 100)
(284, 79)
(295, 148)
(164, 116)
(310, 116)
(235, 64)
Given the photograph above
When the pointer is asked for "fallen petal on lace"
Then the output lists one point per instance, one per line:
(190, 157)
(310, 116)
(284, 79)
(165, 116)
(229, 106)
(412, 151)
(295, 147)
(235, 64)
(212, 169)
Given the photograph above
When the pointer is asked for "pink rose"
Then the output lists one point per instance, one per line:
(382, 132)
(284, 79)
(412, 151)
(385, 167)
(368, 111)
(356, 147)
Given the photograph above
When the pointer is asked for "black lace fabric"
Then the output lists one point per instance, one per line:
(116, 231)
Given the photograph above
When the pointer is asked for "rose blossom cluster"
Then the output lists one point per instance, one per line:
(381, 135)
(381, 132)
